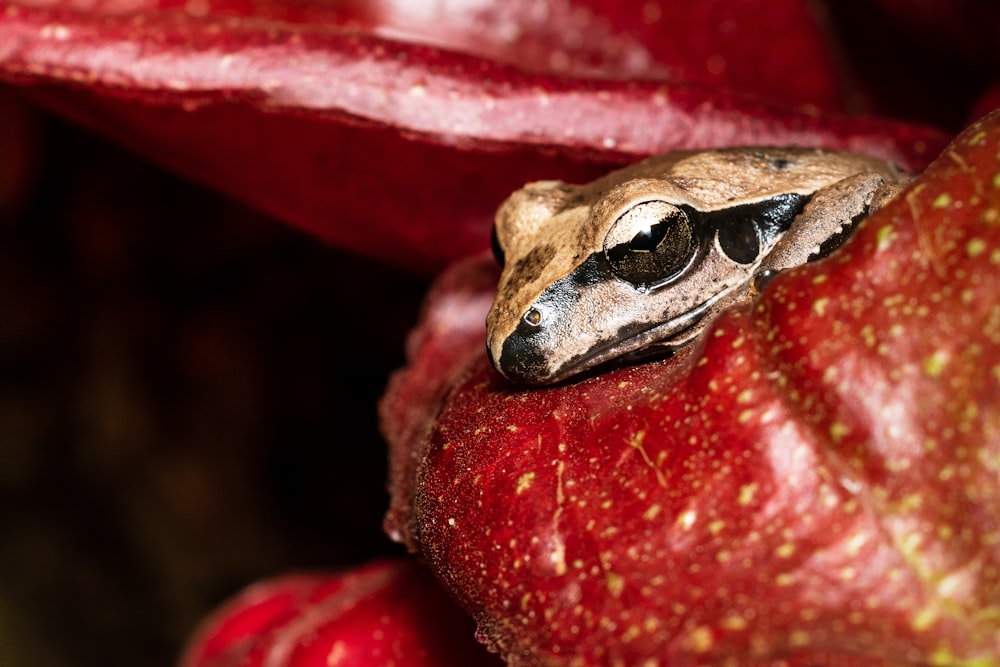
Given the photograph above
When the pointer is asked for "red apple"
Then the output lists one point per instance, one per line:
(386, 613)
(818, 478)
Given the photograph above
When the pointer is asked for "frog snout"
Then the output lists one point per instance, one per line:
(520, 358)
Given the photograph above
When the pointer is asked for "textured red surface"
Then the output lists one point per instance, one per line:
(388, 613)
(307, 111)
(715, 43)
(817, 478)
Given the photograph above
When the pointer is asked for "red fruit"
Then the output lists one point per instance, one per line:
(452, 333)
(387, 613)
(818, 479)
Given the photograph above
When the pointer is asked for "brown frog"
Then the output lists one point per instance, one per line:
(638, 262)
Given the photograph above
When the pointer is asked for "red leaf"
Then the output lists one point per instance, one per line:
(818, 478)
(713, 43)
(387, 613)
(308, 113)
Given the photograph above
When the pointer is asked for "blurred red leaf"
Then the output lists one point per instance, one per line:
(309, 112)
(387, 613)
(818, 478)
(716, 43)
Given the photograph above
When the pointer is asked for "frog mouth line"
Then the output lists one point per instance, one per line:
(657, 340)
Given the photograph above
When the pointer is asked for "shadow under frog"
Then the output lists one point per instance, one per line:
(638, 262)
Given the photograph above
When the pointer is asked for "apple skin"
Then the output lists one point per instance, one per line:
(816, 479)
(389, 612)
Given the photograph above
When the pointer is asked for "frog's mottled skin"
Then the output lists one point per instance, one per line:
(639, 260)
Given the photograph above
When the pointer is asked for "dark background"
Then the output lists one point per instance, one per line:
(188, 400)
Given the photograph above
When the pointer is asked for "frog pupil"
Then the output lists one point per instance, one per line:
(648, 239)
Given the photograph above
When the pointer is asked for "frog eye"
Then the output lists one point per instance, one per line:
(650, 243)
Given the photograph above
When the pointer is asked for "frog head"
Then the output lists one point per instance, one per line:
(635, 263)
